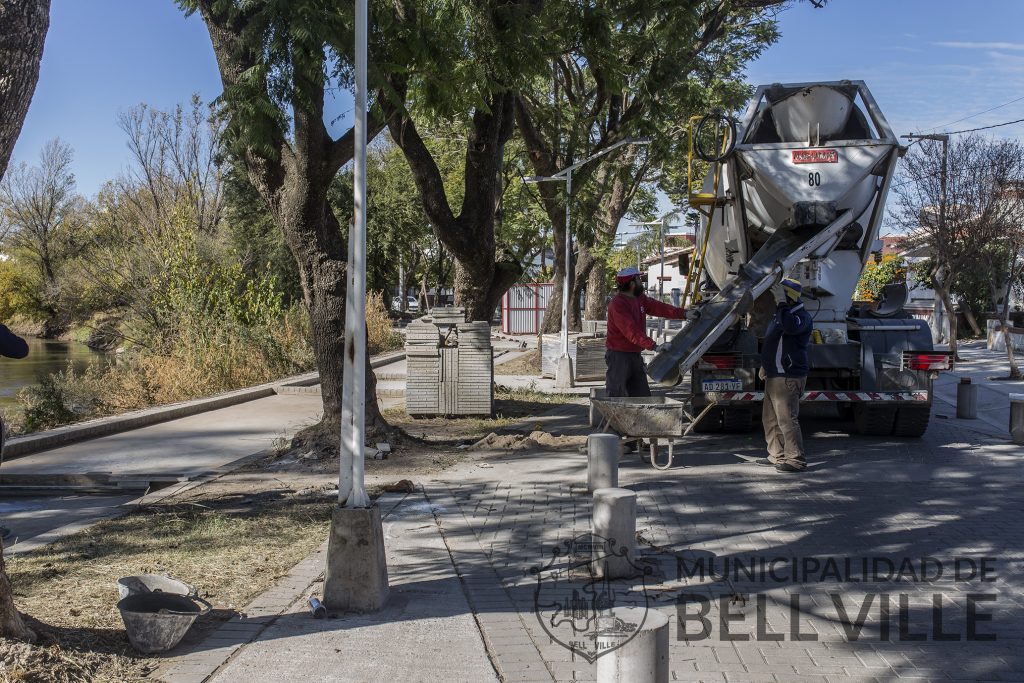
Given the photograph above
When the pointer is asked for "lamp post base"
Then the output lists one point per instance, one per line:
(357, 572)
(564, 378)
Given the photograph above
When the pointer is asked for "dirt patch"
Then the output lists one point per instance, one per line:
(233, 539)
(535, 440)
(526, 364)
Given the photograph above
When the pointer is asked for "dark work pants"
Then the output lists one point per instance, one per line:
(626, 375)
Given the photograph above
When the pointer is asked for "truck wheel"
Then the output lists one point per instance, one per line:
(911, 420)
(712, 422)
(737, 420)
(874, 420)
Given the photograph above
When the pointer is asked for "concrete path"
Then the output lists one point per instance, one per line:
(184, 448)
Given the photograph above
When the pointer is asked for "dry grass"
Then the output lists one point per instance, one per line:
(531, 395)
(446, 429)
(526, 364)
(511, 406)
(231, 546)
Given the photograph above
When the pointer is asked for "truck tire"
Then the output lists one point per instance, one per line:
(874, 420)
(712, 422)
(737, 420)
(911, 421)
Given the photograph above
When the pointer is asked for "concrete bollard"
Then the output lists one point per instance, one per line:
(966, 399)
(595, 414)
(643, 658)
(602, 461)
(1017, 418)
(614, 526)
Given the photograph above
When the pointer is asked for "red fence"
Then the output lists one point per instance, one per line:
(522, 308)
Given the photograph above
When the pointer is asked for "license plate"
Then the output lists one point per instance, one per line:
(715, 385)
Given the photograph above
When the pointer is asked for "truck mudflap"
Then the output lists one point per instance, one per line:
(736, 397)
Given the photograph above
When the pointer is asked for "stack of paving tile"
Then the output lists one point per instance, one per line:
(590, 364)
(447, 315)
(423, 367)
(450, 380)
(585, 350)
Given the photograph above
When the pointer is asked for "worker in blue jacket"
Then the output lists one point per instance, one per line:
(784, 368)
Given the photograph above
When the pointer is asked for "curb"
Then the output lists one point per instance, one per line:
(105, 426)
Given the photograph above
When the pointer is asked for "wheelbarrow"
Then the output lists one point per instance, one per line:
(654, 418)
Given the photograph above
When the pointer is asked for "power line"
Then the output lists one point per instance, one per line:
(994, 125)
(999, 106)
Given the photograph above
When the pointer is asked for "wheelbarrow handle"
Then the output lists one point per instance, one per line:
(206, 606)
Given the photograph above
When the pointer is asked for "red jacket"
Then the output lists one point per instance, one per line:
(627, 321)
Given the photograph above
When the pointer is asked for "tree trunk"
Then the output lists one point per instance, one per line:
(585, 263)
(971, 320)
(480, 286)
(11, 623)
(482, 275)
(597, 292)
(314, 237)
(1010, 357)
(947, 303)
(23, 26)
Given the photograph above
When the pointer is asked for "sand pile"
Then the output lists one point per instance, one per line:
(536, 440)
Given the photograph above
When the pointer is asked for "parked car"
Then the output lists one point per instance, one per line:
(396, 303)
(412, 304)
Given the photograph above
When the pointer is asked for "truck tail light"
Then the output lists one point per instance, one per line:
(719, 361)
(927, 360)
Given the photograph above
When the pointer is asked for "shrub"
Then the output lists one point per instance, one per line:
(205, 359)
(380, 337)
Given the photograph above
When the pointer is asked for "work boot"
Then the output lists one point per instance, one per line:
(763, 462)
(787, 467)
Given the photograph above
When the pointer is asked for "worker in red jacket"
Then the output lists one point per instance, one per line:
(627, 335)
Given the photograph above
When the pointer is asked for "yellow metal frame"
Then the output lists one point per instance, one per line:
(705, 204)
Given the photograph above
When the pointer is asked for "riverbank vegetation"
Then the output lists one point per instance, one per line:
(169, 266)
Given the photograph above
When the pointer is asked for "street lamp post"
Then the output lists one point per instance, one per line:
(564, 374)
(356, 577)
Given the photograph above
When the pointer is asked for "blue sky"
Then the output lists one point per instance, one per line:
(928, 62)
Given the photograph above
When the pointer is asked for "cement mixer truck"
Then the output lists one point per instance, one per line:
(796, 187)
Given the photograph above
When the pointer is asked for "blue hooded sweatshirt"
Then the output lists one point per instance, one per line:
(784, 352)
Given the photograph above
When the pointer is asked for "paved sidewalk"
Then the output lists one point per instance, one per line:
(427, 632)
(979, 364)
(466, 610)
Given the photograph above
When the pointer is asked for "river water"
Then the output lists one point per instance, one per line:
(44, 357)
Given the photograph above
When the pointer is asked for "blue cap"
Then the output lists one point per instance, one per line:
(626, 274)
